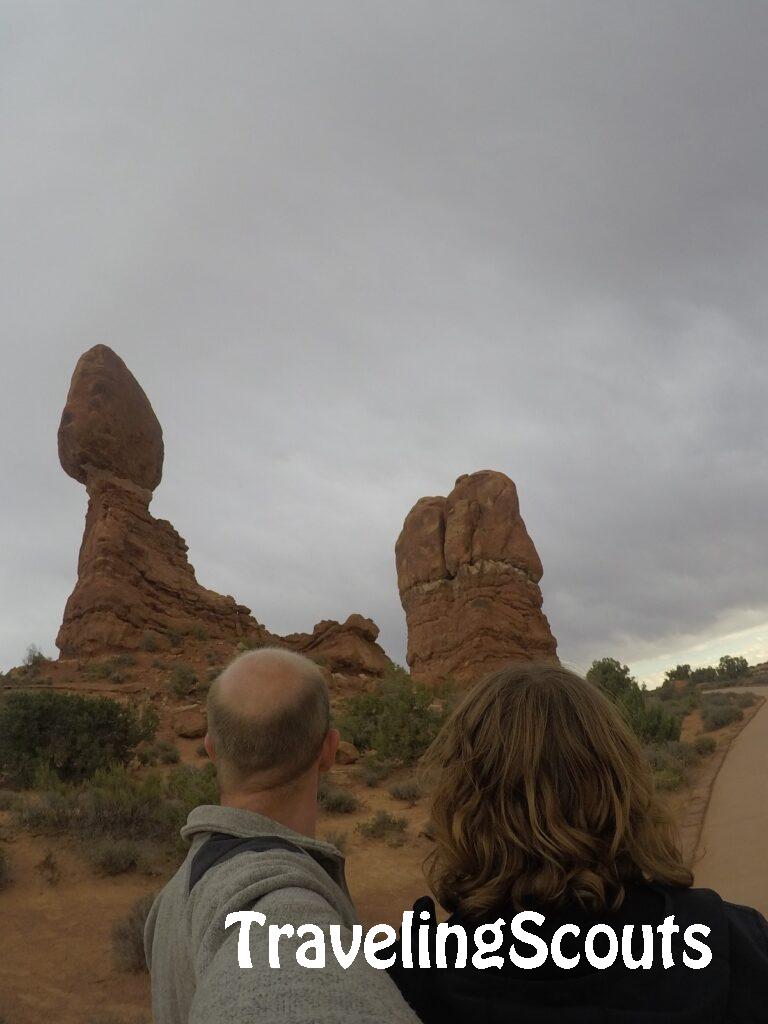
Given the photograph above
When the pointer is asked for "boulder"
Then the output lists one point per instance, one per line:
(347, 753)
(349, 647)
(190, 723)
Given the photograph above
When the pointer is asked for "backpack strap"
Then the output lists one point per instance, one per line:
(220, 847)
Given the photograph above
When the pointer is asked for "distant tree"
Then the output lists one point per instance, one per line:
(705, 674)
(647, 719)
(672, 675)
(732, 667)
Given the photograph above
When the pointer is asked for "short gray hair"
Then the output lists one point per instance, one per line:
(284, 741)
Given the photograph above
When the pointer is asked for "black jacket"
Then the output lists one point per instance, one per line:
(732, 989)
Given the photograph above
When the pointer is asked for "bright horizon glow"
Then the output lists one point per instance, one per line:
(750, 643)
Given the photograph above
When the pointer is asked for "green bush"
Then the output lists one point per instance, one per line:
(182, 681)
(116, 856)
(68, 734)
(408, 790)
(373, 769)
(670, 762)
(383, 825)
(705, 745)
(396, 719)
(128, 937)
(717, 716)
(337, 801)
(732, 668)
(34, 659)
(647, 718)
(115, 804)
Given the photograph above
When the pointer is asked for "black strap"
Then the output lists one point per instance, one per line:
(220, 847)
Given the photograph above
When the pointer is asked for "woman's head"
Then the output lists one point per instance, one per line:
(542, 797)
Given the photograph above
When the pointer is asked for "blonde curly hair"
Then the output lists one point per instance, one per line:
(541, 797)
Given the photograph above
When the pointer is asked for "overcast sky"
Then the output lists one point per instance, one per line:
(353, 250)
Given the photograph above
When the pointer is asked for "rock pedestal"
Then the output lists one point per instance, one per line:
(468, 576)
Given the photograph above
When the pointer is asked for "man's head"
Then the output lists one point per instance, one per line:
(269, 721)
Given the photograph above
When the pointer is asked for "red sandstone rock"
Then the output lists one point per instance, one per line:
(190, 723)
(134, 578)
(108, 423)
(348, 647)
(347, 753)
(468, 577)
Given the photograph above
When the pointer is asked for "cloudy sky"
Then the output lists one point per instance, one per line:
(354, 249)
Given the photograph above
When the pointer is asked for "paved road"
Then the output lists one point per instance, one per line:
(732, 856)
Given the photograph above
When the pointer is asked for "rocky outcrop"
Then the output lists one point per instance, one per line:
(468, 577)
(135, 582)
(134, 579)
(348, 648)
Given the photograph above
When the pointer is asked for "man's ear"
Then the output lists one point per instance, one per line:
(208, 744)
(328, 750)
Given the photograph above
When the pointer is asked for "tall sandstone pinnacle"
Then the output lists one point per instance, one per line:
(133, 576)
(468, 576)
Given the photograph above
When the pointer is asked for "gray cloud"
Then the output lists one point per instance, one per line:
(353, 250)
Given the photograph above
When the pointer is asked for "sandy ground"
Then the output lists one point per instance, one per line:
(733, 848)
(55, 948)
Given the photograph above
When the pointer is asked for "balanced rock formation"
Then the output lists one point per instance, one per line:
(134, 579)
(468, 576)
(348, 648)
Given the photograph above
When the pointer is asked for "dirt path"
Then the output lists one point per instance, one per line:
(733, 849)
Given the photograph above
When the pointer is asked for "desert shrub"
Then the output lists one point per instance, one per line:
(373, 769)
(149, 642)
(167, 752)
(337, 801)
(182, 681)
(396, 719)
(383, 825)
(192, 786)
(670, 763)
(647, 718)
(174, 637)
(115, 856)
(705, 745)
(128, 936)
(201, 751)
(337, 839)
(408, 790)
(115, 804)
(34, 659)
(48, 869)
(670, 778)
(112, 669)
(199, 632)
(5, 869)
(69, 734)
(717, 716)
(9, 800)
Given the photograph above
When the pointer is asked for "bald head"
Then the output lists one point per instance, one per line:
(268, 715)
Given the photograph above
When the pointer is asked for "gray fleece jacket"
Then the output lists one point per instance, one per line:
(194, 961)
